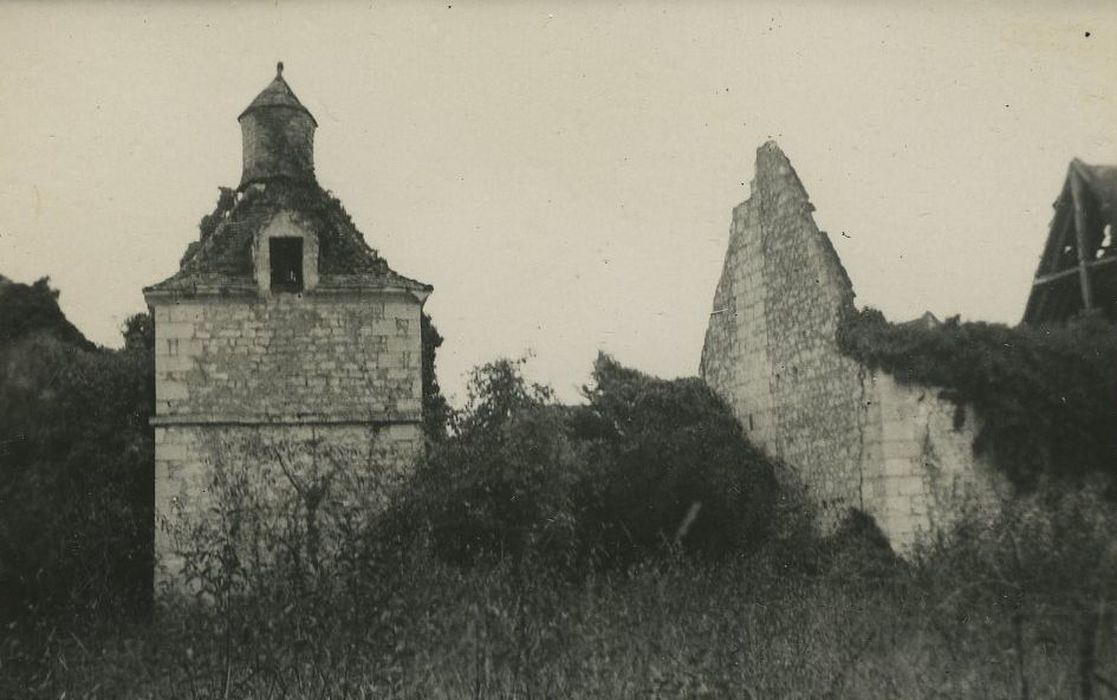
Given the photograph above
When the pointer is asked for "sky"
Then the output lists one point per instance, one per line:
(562, 173)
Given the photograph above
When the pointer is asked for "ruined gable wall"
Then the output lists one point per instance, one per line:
(856, 438)
(818, 393)
(770, 348)
(735, 355)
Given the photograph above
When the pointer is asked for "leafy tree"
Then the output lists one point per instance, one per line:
(139, 332)
(647, 465)
(500, 483)
(75, 467)
(27, 309)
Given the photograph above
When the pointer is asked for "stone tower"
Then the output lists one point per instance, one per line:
(855, 437)
(282, 333)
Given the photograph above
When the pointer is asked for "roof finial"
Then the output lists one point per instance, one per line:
(279, 69)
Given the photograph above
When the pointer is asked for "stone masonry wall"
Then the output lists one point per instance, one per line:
(289, 356)
(817, 391)
(735, 357)
(919, 470)
(329, 381)
(771, 347)
(855, 438)
(366, 465)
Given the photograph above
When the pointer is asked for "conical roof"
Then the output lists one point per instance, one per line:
(277, 94)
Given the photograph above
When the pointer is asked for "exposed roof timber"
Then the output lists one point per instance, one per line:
(1060, 228)
(1060, 233)
(1080, 238)
(1076, 273)
(1056, 276)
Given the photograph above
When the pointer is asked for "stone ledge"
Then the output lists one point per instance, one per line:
(241, 292)
(307, 419)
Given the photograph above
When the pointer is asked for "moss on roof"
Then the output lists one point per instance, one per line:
(223, 251)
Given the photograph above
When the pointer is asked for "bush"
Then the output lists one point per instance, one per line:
(436, 410)
(75, 461)
(501, 483)
(668, 464)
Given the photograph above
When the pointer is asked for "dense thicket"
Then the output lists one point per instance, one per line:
(75, 462)
(1047, 396)
(667, 462)
(646, 465)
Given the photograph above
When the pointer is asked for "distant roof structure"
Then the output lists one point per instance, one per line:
(1077, 273)
(278, 94)
(927, 320)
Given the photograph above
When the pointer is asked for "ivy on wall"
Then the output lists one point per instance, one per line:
(1047, 396)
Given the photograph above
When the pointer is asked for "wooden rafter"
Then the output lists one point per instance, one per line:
(1077, 270)
(1080, 239)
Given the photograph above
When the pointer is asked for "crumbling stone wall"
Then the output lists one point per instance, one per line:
(855, 438)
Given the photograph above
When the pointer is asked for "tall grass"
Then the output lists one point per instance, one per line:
(799, 619)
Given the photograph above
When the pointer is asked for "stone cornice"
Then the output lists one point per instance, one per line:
(304, 419)
(249, 293)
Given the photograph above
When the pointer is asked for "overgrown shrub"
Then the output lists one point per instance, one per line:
(1048, 397)
(501, 483)
(744, 626)
(667, 463)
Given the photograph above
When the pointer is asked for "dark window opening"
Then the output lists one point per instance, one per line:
(286, 264)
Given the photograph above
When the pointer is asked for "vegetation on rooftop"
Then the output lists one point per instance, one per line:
(226, 234)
